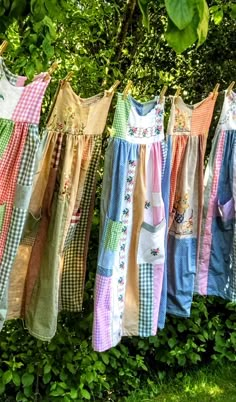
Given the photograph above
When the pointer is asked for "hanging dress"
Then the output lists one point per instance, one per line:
(19, 141)
(133, 225)
(57, 265)
(188, 129)
(217, 259)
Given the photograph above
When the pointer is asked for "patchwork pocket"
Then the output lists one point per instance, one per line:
(2, 215)
(226, 214)
(151, 248)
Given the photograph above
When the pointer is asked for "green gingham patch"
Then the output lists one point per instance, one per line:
(145, 299)
(112, 235)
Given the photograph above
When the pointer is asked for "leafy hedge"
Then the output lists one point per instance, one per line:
(67, 369)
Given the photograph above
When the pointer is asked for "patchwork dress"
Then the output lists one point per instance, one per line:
(188, 129)
(20, 108)
(57, 263)
(133, 225)
(217, 259)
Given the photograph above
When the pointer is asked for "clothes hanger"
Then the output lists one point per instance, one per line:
(67, 78)
(51, 70)
(162, 94)
(177, 94)
(215, 91)
(127, 89)
(113, 88)
(230, 87)
(3, 47)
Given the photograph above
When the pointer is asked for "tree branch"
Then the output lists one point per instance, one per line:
(123, 28)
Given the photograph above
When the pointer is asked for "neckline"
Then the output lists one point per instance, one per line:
(134, 102)
(193, 106)
(4, 69)
(86, 102)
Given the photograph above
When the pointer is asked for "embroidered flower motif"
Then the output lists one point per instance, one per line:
(124, 229)
(128, 197)
(132, 163)
(122, 264)
(132, 131)
(155, 251)
(126, 211)
(2, 97)
(130, 179)
(121, 280)
(147, 204)
(120, 298)
(122, 247)
(66, 189)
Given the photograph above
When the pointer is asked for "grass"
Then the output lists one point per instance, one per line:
(205, 385)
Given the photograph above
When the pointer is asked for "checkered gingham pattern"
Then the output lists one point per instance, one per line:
(9, 168)
(70, 234)
(5, 132)
(73, 275)
(25, 178)
(112, 235)
(28, 108)
(145, 299)
(16, 166)
(102, 337)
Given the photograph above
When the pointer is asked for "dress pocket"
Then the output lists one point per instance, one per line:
(226, 214)
(151, 248)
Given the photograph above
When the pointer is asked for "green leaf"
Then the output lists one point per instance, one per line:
(143, 5)
(7, 377)
(46, 378)
(17, 8)
(105, 358)
(181, 12)
(233, 10)
(218, 16)
(28, 391)
(71, 368)
(27, 379)
(85, 394)
(202, 29)
(74, 393)
(47, 48)
(181, 40)
(16, 379)
(172, 342)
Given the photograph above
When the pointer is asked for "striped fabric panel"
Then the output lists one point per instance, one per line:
(180, 144)
(204, 255)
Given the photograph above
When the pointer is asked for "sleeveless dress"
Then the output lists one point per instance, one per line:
(217, 259)
(58, 246)
(188, 130)
(133, 225)
(20, 108)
